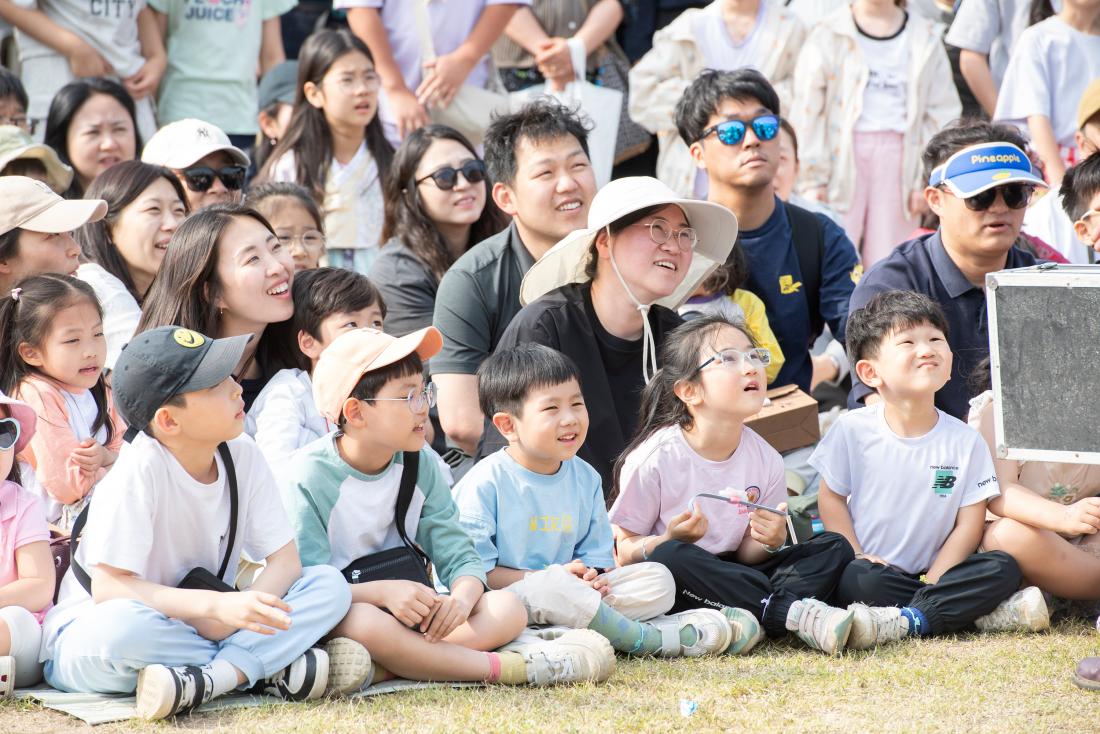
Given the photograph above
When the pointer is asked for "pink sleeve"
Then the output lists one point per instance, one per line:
(118, 426)
(50, 450)
(30, 521)
(637, 509)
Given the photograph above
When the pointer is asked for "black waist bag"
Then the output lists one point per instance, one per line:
(197, 579)
(406, 562)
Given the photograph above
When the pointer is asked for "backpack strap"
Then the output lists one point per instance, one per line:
(231, 472)
(808, 237)
(410, 470)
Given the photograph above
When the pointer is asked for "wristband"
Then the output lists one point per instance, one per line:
(645, 555)
(772, 551)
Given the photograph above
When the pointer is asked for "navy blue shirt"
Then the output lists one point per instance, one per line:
(775, 277)
(923, 265)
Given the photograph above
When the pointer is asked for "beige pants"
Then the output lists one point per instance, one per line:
(554, 596)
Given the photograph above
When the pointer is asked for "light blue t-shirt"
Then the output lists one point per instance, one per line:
(520, 519)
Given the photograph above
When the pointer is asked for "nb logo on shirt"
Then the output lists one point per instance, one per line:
(551, 524)
(788, 285)
(944, 483)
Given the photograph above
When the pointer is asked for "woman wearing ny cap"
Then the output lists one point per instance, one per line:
(210, 167)
(35, 230)
(606, 296)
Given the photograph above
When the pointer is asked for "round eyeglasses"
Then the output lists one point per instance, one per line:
(419, 399)
(660, 231)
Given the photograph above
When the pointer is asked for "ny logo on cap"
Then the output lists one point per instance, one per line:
(203, 132)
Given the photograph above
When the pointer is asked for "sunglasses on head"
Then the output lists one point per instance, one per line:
(732, 132)
(9, 433)
(1015, 195)
(201, 178)
(446, 178)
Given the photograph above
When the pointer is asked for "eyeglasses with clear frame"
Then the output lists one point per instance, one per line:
(757, 357)
(660, 231)
(419, 399)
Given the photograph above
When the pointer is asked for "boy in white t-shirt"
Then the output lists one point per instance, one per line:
(141, 608)
(907, 485)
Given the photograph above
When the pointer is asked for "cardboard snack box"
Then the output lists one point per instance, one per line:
(790, 421)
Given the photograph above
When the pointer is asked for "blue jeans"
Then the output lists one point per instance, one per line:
(104, 649)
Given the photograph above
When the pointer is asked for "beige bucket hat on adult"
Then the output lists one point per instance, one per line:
(565, 262)
(30, 204)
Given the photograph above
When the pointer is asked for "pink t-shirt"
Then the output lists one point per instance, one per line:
(22, 521)
(664, 474)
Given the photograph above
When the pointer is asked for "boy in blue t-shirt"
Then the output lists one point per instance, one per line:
(908, 484)
(536, 514)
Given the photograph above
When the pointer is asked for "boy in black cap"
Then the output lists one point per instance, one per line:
(141, 608)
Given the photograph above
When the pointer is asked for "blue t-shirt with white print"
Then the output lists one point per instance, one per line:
(520, 519)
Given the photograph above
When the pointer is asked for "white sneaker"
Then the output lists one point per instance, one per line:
(874, 626)
(303, 680)
(7, 676)
(575, 656)
(713, 633)
(349, 666)
(745, 628)
(163, 691)
(1026, 610)
(821, 626)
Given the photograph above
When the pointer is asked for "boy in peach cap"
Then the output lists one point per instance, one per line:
(369, 499)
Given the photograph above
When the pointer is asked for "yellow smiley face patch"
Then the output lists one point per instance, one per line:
(188, 338)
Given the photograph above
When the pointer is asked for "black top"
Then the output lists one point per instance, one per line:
(610, 368)
(923, 265)
(408, 288)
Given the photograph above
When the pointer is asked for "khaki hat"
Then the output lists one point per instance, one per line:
(16, 144)
(30, 204)
(183, 143)
(1089, 104)
(356, 352)
(715, 225)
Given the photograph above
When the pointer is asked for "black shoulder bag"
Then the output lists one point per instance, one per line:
(197, 579)
(405, 562)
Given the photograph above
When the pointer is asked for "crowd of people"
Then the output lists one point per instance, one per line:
(428, 353)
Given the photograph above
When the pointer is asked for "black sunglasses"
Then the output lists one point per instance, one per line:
(1015, 195)
(446, 178)
(201, 178)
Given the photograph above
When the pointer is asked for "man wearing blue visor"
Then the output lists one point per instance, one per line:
(980, 182)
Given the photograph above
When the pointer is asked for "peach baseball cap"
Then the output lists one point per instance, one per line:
(356, 352)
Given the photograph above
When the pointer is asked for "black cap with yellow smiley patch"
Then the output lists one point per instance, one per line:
(167, 361)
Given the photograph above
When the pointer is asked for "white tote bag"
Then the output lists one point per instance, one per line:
(601, 106)
(472, 108)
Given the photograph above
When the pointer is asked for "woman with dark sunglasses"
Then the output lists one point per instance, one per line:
(437, 207)
(211, 169)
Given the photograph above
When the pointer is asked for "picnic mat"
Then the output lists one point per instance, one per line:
(92, 708)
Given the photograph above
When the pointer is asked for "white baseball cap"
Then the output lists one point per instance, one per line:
(32, 205)
(183, 143)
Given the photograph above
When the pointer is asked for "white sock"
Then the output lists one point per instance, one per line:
(223, 676)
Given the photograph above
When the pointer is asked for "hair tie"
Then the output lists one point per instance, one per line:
(15, 293)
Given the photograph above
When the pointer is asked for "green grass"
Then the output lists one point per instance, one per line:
(990, 683)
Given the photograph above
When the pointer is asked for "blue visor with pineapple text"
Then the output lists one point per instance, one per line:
(979, 167)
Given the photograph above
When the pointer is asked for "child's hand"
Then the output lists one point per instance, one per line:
(1082, 517)
(91, 456)
(407, 112)
(688, 527)
(255, 611)
(768, 528)
(144, 83)
(447, 616)
(409, 602)
(86, 61)
(872, 559)
(577, 568)
(601, 584)
(443, 77)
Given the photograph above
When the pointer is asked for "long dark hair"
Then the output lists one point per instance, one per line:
(660, 407)
(308, 135)
(27, 319)
(1040, 10)
(67, 102)
(405, 215)
(119, 186)
(187, 286)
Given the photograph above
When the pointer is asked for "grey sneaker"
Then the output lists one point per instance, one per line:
(1026, 610)
(303, 680)
(163, 691)
(745, 628)
(713, 633)
(349, 666)
(821, 626)
(575, 656)
(874, 626)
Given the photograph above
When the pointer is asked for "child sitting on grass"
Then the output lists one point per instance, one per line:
(536, 514)
(350, 501)
(908, 486)
(141, 609)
